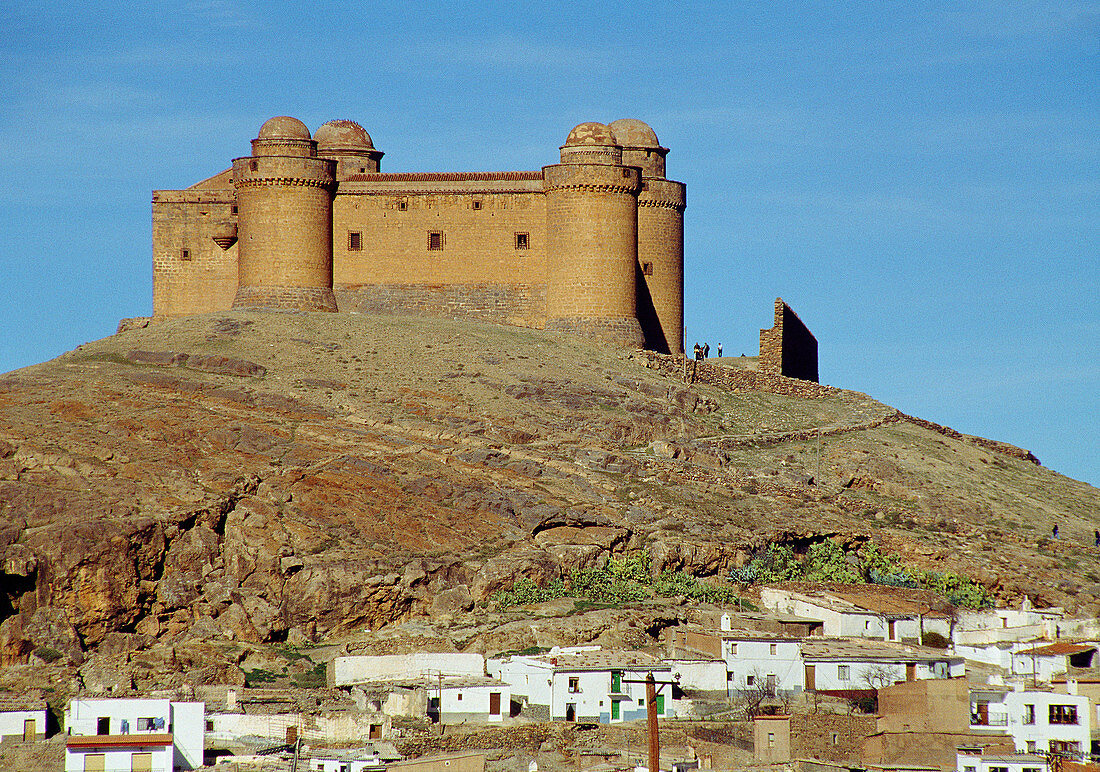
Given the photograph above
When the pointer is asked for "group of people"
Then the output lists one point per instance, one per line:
(1054, 534)
(702, 352)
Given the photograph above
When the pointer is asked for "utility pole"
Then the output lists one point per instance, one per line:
(651, 723)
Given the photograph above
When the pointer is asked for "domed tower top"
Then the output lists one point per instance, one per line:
(591, 143)
(348, 143)
(640, 146)
(284, 136)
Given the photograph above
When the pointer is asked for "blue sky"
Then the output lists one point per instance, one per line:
(920, 181)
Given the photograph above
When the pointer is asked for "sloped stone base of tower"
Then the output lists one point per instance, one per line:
(621, 333)
(285, 299)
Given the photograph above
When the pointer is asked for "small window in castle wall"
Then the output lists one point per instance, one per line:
(523, 241)
(626, 172)
(355, 241)
(647, 270)
(185, 254)
(402, 206)
(475, 205)
(435, 240)
(254, 165)
(233, 209)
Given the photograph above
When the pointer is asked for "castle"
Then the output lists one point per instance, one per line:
(592, 245)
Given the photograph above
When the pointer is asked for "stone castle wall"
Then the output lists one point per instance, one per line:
(788, 347)
(205, 277)
(593, 245)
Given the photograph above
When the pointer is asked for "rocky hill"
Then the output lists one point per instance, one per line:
(250, 477)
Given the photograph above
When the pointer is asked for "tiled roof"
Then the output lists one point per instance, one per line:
(862, 648)
(1062, 647)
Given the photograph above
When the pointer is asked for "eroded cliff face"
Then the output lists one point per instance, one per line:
(259, 478)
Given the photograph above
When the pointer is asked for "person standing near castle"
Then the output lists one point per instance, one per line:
(698, 352)
(719, 349)
(706, 350)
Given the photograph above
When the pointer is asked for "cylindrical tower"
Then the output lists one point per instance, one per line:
(592, 239)
(661, 206)
(347, 143)
(284, 224)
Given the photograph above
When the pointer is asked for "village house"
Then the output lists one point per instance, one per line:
(585, 683)
(986, 626)
(852, 667)
(1043, 663)
(1037, 721)
(361, 760)
(970, 759)
(864, 611)
(346, 671)
(142, 734)
(22, 718)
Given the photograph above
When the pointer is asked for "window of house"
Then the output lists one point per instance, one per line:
(435, 241)
(772, 648)
(750, 680)
(771, 739)
(998, 769)
(1032, 746)
(1065, 746)
(103, 725)
(836, 738)
(574, 685)
(647, 270)
(970, 769)
(460, 696)
(843, 672)
(729, 676)
(375, 732)
(209, 725)
(523, 241)
(141, 762)
(475, 205)
(185, 254)
(733, 649)
(145, 724)
(1063, 714)
(355, 241)
(1029, 714)
(641, 701)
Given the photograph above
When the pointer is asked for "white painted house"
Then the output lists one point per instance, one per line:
(1042, 663)
(975, 760)
(1037, 721)
(469, 698)
(346, 761)
(346, 671)
(864, 611)
(762, 660)
(22, 719)
(139, 734)
(585, 683)
(850, 665)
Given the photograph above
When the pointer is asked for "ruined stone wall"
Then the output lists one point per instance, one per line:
(192, 274)
(738, 381)
(788, 347)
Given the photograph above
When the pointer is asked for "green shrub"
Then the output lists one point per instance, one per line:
(46, 654)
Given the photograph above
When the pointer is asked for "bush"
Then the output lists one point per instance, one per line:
(934, 641)
(46, 654)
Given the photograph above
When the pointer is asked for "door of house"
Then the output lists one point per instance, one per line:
(95, 762)
(103, 725)
(890, 625)
(659, 701)
(291, 735)
(141, 762)
(811, 678)
(910, 671)
(28, 730)
(570, 711)
(494, 703)
(615, 714)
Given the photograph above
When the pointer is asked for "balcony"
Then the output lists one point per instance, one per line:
(991, 719)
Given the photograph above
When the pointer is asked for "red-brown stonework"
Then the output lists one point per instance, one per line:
(788, 347)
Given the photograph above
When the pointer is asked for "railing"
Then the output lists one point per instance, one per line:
(992, 719)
